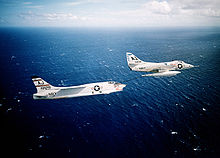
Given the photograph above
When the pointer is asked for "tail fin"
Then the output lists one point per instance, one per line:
(132, 60)
(40, 84)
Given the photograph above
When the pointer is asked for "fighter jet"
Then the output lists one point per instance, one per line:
(47, 91)
(156, 69)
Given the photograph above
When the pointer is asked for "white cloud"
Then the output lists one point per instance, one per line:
(32, 6)
(27, 3)
(3, 21)
(59, 18)
(158, 7)
(74, 3)
(172, 13)
(35, 6)
(151, 13)
(197, 8)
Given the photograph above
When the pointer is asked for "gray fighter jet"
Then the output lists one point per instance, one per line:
(47, 91)
(156, 69)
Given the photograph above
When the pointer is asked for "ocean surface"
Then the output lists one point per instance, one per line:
(154, 117)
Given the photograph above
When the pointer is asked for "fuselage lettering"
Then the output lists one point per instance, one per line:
(52, 93)
(45, 88)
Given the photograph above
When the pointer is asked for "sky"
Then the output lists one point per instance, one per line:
(110, 13)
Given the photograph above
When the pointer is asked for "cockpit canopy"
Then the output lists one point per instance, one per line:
(179, 61)
(113, 82)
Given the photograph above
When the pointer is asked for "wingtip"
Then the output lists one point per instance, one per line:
(34, 77)
(128, 53)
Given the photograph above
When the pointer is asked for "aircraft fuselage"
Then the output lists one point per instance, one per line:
(47, 91)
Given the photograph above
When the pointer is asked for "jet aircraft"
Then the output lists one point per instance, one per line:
(156, 69)
(47, 91)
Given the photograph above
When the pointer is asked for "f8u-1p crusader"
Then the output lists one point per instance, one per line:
(47, 91)
(156, 69)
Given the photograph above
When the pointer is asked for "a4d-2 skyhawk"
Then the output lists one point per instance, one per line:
(47, 91)
(156, 69)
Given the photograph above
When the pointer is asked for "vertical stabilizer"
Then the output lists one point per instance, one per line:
(132, 60)
(40, 84)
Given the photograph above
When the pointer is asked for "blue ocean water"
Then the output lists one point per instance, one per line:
(153, 117)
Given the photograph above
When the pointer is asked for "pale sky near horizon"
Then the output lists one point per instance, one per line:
(114, 13)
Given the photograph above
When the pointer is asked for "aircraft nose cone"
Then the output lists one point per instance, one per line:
(120, 86)
(189, 66)
(123, 85)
